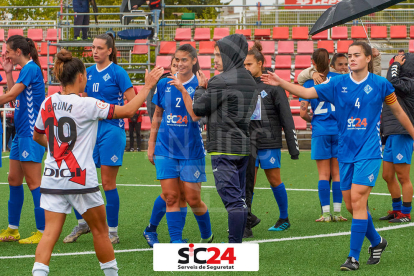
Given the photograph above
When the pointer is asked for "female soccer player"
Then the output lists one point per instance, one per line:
(358, 99)
(73, 121)
(272, 113)
(107, 82)
(176, 147)
(25, 155)
(324, 141)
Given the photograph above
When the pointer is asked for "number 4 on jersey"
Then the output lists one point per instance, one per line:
(357, 103)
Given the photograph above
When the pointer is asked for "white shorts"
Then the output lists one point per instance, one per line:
(64, 203)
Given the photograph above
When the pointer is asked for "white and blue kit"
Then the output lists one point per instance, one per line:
(109, 85)
(358, 107)
(28, 102)
(179, 150)
(324, 143)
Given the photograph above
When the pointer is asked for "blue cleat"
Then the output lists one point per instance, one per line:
(281, 225)
(151, 237)
(180, 241)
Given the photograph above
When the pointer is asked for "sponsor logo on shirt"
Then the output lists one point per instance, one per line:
(263, 94)
(177, 120)
(168, 89)
(106, 77)
(344, 90)
(357, 123)
(190, 90)
(368, 89)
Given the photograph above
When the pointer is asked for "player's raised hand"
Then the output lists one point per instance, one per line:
(317, 78)
(271, 79)
(152, 77)
(202, 79)
(6, 63)
(176, 82)
(400, 59)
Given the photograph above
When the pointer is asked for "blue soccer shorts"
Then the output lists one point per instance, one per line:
(324, 147)
(399, 149)
(363, 172)
(110, 145)
(25, 149)
(268, 158)
(188, 170)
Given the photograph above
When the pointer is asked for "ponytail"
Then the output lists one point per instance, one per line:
(110, 42)
(33, 51)
(67, 68)
(26, 45)
(321, 58)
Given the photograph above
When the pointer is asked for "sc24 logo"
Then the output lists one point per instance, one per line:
(357, 122)
(228, 255)
(176, 119)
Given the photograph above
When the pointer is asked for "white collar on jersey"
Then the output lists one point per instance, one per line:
(30, 60)
(104, 68)
(350, 75)
(176, 75)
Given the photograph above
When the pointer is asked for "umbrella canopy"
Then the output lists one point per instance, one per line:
(127, 5)
(348, 10)
(133, 34)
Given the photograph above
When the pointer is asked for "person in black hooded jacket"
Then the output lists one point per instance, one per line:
(272, 113)
(227, 100)
(399, 144)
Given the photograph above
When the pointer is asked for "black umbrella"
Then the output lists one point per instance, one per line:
(348, 10)
(94, 9)
(127, 6)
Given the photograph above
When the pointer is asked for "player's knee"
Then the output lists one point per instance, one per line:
(193, 201)
(404, 178)
(387, 176)
(171, 198)
(14, 180)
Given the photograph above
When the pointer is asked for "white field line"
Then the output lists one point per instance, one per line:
(257, 241)
(4, 157)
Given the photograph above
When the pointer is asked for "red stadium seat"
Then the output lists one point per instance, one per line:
(206, 47)
(297, 72)
(140, 49)
(44, 72)
(1, 34)
(358, 32)
(14, 32)
(250, 44)
(52, 89)
(126, 123)
(44, 62)
(283, 62)
(339, 33)
(192, 43)
(328, 45)
(300, 33)
(283, 74)
(87, 52)
(146, 123)
(300, 124)
(216, 72)
(246, 32)
(280, 33)
(35, 34)
(219, 33)
(205, 62)
(285, 47)
(202, 34)
(182, 34)
(295, 103)
(411, 46)
(43, 49)
(343, 45)
(262, 34)
(302, 61)
(51, 35)
(398, 32)
(207, 73)
(268, 47)
(379, 32)
(15, 75)
(321, 36)
(268, 61)
(411, 32)
(168, 47)
(137, 88)
(304, 47)
(163, 61)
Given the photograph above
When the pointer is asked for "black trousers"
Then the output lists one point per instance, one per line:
(10, 133)
(137, 127)
(81, 20)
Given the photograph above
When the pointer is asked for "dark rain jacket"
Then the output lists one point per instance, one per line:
(229, 100)
(402, 78)
(267, 132)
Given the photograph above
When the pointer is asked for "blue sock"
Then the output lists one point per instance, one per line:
(16, 199)
(358, 231)
(204, 225)
(158, 212)
(372, 234)
(324, 191)
(282, 200)
(39, 212)
(406, 208)
(112, 207)
(78, 216)
(336, 192)
(252, 199)
(183, 211)
(237, 218)
(396, 204)
(175, 221)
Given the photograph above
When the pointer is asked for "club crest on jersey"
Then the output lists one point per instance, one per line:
(368, 89)
(101, 105)
(263, 94)
(106, 77)
(400, 156)
(190, 90)
(168, 89)
(197, 174)
(90, 77)
(371, 178)
(114, 158)
(344, 90)
(25, 154)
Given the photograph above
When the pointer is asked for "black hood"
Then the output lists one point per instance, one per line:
(233, 50)
(407, 70)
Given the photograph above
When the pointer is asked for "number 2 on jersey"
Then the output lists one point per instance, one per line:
(178, 102)
(319, 110)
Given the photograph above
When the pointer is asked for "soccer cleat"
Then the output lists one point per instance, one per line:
(151, 237)
(77, 231)
(9, 235)
(391, 215)
(350, 264)
(281, 225)
(401, 218)
(113, 236)
(338, 217)
(248, 233)
(208, 240)
(34, 239)
(376, 252)
(180, 241)
(254, 221)
(326, 217)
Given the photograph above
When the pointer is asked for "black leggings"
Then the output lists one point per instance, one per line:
(137, 127)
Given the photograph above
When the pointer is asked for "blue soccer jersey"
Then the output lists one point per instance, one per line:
(179, 136)
(323, 119)
(108, 85)
(358, 107)
(28, 102)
